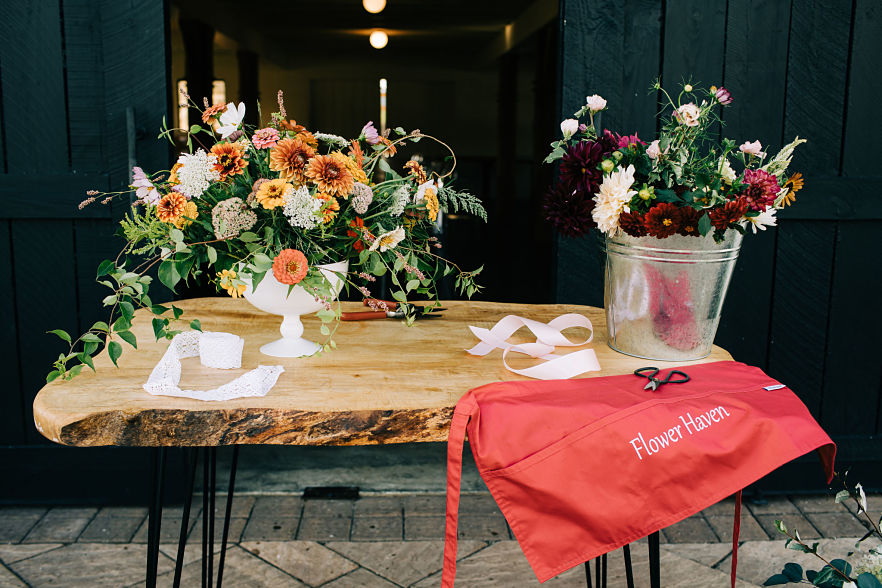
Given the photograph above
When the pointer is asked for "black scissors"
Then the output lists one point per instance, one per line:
(650, 374)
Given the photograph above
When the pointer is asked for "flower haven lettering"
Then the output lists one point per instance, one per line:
(673, 435)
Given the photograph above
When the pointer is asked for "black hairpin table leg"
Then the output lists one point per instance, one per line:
(154, 515)
(654, 561)
(192, 458)
(588, 574)
(229, 510)
(629, 572)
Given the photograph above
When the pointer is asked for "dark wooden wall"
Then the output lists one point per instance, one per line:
(70, 70)
(804, 301)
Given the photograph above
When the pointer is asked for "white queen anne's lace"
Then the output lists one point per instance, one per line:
(302, 209)
(217, 350)
(400, 198)
(196, 173)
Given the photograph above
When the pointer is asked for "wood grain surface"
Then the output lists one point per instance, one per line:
(386, 382)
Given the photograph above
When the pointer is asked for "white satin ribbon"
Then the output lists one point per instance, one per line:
(548, 336)
(215, 350)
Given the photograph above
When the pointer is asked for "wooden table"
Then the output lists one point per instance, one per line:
(386, 383)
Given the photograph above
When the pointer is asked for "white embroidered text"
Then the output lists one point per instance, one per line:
(689, 425)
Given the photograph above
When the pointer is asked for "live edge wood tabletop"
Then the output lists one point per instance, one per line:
(385, 383)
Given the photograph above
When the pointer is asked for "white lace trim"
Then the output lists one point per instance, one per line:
(215, 350)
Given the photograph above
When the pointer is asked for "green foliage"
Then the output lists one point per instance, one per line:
(454, 201)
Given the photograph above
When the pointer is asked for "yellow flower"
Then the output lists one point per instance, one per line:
(273, 193)
(795, 184)
(229, 282)
(431, 204)
(186, 217)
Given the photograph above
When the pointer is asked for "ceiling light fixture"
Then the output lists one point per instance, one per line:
(374, 6)
(379, 39)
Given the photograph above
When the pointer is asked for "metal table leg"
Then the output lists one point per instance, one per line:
(588, 574)
(192, 458)
(654, 561)
(629, 572)
(220, 564)
(154, 515)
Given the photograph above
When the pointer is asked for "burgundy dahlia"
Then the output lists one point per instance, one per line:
(569, 210)
(633, 224)
(578, 168)
(762, 189)
(729, 213)
(663, 220)
(689, 218)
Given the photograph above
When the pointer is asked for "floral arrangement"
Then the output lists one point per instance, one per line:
(836, 573)
(279, 200)
(683, 182)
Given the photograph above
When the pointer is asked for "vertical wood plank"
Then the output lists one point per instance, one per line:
(592, 38)
(640, 67)
(11, 405)
(803, 272)
(33, 85)
(819, 39)
(694, 35)
(753, 28)
(85, 84)
(865, 87)
(853, 371)
(46, 299)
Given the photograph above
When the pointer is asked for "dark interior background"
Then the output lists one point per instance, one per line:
(84, 85)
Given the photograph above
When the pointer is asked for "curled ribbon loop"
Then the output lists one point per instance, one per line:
(548, 336)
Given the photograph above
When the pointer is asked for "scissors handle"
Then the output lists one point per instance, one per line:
(647, 372)
(669, 380)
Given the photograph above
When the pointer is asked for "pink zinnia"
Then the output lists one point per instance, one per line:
(762, 189)
(265, 138)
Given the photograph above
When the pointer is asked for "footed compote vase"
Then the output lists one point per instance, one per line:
(272, 296)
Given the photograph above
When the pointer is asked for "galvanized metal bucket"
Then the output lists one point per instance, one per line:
(663, 296)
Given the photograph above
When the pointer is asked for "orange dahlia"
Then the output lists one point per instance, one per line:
(273, 193)
(290, 157)
(230, 159)
(171, 207)
(331, 174)
(290, 266)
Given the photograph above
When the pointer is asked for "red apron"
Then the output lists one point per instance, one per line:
(582, 467)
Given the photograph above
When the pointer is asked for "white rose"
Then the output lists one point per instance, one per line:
(727, 172)
(595, 103)
(569, 127)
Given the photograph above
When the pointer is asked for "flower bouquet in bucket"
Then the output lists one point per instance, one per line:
(672, 212)
(280, 216)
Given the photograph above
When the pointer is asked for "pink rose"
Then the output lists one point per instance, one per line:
(595, 103)
(569, 127)
(653, 151)
(754, 148)
(688, 114)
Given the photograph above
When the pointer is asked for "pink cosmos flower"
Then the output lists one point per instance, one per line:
(723, 96)
(370, 133)
(626, 141)
(145, 190)
(754, 148)
(265, 138)
(688, 114)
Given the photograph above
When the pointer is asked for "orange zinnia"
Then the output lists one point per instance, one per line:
(329, 210)
(290, 266)
(290, 157)
(170, 207)
(416, 170)
(230, 159)
(213, 112)
(331, 174)
(365, 236)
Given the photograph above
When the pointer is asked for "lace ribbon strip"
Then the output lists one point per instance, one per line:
(548, 336)
(215, 350)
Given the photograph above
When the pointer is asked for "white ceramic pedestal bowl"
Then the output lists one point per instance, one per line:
(272, 296)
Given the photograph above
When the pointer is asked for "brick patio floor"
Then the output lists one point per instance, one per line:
(385, 541)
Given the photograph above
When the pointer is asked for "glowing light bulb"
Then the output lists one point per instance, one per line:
(374, 6)
(379, 39)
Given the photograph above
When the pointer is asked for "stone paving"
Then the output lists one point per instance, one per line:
(387, 541)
